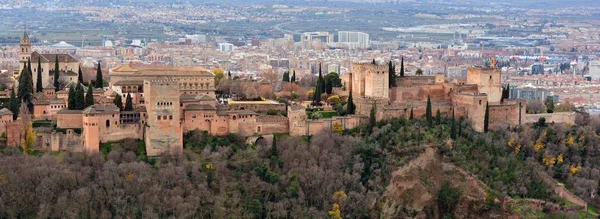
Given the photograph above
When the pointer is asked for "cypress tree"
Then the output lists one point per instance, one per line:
(402, 67)
(452, 126)
(286, 76)
(322, 81)
(460, 126)
(39, 86)
(99, 80)
(428, 113)
(274, 151)
(25, 85)
(14, 104)
(80, 75)
(119, 102)
(438, 117)
(79, 97)
(293, 80)
(71, 99)
(372, 118)
(128, 103)
(392, 74)
(486, 119)
(56, 75)
(374, 63)
(351, 107)
(229, 74)
(89, 96)
(29, 69)
(412, 115)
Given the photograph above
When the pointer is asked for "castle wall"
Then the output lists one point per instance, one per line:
(474, 105)
(261, 106)
(69, 120)
(4, 121)
(562, 117)
(370, 80)
(272, 124)
(13, 134)
(507, 114)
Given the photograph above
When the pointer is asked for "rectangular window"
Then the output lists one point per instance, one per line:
(157, 117)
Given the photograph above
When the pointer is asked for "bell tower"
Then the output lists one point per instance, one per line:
(25, 47)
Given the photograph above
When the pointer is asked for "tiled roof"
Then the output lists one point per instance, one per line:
(199, 107)
(101, 109)
(68, 111)
(5, 111)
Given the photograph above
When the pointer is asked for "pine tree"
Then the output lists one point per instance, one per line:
(14, 104)
(128, 103)
(293, 79)
(452, 126)
(438, 117)
(99, 80)
(351, 107)
(89, 96)
(402, 67)
(428, 113)
(25, 85)
(486, 119)
(412, 115)
(56, 75)
(80, 75)
(39, 86)
(72, 98)
(119, 102)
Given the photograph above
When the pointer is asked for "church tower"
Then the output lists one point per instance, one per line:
(25, 47)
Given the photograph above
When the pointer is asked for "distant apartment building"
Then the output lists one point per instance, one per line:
(595, 70)
(537, 69)
(532, 93)
(333, 68)
(225, 47)
(354, 39)
(324, 37)
(196, 38)
(280, 63)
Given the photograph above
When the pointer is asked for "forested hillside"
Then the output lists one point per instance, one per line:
(341, 174)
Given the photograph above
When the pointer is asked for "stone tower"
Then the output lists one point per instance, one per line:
(164, 131)
(297, 120)
(24, 50)
(371, 81)
(488, 81)
(91, 132)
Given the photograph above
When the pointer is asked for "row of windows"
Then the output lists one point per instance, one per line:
(57, 107)
(164, 103)
(170, 117)
(90, 124)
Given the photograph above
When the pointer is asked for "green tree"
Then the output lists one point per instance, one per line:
(274, 151)
(486, 118)
(71, 98)
(428, 113)
(25, 85)
(419, 72)
(99, 80)
(549, 104)
(351, 107)
(448, 198)
(56, 75)
(374, 62)
(412, 115)
(332, 80)
(39, 86)
(438, 117)
(118, 102)
(14, 104)
(402, 67)
(452, 126)
(79, 97)
(322, 80)
(372, 118)
(319, 89)
(79, 75)
(229, 74)
(392, 74)
(293, 79)
(128, 103)
(286, 76)
(89, 96)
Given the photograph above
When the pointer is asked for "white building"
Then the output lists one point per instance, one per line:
(360, 39)
(595, 69)
(196, 38)
(225, 47)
